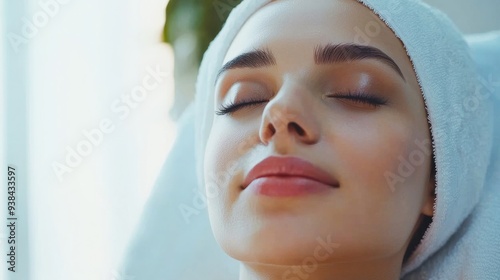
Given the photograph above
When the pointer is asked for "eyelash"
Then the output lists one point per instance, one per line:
(357, 97)
(362, 98)
(232, 107)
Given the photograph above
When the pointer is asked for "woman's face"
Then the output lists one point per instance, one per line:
(330, 84)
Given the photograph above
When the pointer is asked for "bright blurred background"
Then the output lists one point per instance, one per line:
(89, 108)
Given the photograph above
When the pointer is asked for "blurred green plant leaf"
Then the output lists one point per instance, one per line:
(203, 18)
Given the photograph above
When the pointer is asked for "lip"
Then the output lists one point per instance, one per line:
(288, 176)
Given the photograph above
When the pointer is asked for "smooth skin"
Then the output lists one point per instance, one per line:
(369, 220)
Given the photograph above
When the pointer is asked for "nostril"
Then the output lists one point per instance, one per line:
(273, 130)
(296, 127)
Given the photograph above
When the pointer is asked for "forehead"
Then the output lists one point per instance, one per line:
(291, 29)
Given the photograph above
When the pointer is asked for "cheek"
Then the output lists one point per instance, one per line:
(384, 154)
(220, 161)
(385, 175)
(227, 145)
(228, 142)
(232, 137)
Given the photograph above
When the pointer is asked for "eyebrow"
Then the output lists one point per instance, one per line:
(328, 54)
(254, 59)
(332, 53)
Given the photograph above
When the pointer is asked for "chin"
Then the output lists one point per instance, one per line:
(280, 245)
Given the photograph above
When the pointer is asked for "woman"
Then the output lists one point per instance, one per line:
(333, 134)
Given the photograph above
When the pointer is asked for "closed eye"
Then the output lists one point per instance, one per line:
(361, 98)
(233, 107)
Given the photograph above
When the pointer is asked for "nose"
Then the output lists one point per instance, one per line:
(290, 117)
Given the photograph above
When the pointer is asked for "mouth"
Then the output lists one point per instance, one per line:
(288, 176)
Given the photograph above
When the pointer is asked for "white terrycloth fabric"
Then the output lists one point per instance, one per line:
(473, 251)
(462, 242)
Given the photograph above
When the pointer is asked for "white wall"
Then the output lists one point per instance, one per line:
(471, 16)
(76, 59)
